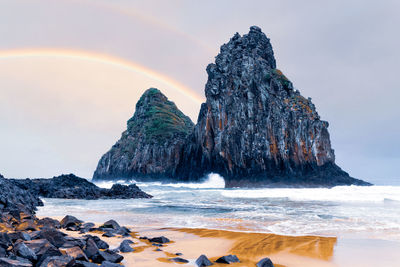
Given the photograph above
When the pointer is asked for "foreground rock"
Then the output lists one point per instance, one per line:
(15, 199)
(203, 261)
(44, 245)
(73, 187)
(266, 262)
(151, 145)
(228, 259)
(255, 129)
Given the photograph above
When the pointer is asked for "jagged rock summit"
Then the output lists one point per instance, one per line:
(255, 129)
(152, 144)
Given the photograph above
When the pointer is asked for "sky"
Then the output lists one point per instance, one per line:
(71, 72)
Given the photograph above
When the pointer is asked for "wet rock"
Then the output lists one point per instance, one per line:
(125, 246)
(69, 221)
(27, 226)
(55, 237)
(75, 252)
(25, 236)
(85, 264)
(110, 264)
(123, 231)
(86, 227)
(91, 248)
(99, 243)
(107, 255)
(160, 240)
(109, 234)
(58, 261)
(5, 262)
(24, 251)
(111, 224)
(228, 259)
(43, 249)
(203, 261)
(266, 262)
(49, 223)
(179, 260)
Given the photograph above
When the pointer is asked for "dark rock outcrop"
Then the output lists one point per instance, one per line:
(203, 261)
(47, 246)
(151, 145)
(15, 199)
(73, 187)
(255, 129)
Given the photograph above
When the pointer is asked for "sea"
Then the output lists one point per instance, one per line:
(344, 211)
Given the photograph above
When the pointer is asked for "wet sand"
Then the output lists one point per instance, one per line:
(284, 251)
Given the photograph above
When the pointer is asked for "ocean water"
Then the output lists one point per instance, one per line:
(366, 212)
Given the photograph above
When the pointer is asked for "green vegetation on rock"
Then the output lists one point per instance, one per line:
(158, 119)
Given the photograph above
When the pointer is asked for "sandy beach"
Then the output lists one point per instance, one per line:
(284, 251)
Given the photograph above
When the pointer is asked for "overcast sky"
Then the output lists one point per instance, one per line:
(59, 112)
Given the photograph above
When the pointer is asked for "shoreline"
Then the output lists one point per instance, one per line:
(283, 250)
(249, 247)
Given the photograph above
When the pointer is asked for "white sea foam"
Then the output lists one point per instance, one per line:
(335, 194)
(213, 181)
(109, 184)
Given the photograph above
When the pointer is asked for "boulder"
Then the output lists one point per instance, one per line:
(160, 240)
(49, 223)
(85, 264)
(25, 252)
(203, 261)
(111, 224)
(91, 248)
(69, 221)
(228, 259)
(55, 237)
(125, 246)
(6, 262)
(266, 262)
(110, 264)
(58, 261)
(75, 252)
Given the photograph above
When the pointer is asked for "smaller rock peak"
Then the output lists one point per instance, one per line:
(150, 97)
(255, 29)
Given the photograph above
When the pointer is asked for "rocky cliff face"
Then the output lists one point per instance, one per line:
(254, 129)
(152, 144)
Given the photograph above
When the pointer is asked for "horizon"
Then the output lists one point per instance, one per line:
(68, 91)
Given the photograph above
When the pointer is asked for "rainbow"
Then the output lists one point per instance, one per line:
(104, 59)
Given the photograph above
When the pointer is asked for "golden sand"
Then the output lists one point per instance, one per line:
(284, 251)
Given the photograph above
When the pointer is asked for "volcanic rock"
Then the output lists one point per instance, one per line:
(228, 259)
(151, 145)
(203, 261)
(266, 262)
(255, 127)
(73, 187)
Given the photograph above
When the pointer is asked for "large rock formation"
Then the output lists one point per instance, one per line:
(254, 129)
(151, 146)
